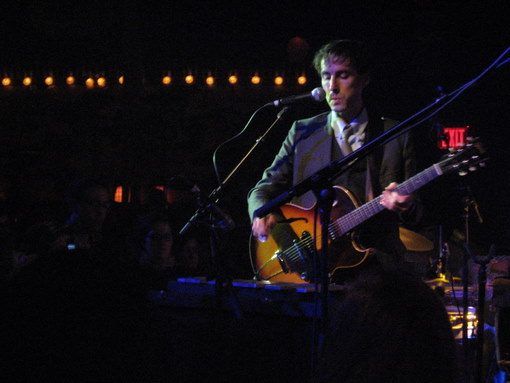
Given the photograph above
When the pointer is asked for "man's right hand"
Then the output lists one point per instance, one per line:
(262, 227)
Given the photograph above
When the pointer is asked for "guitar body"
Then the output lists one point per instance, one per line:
(293, 236)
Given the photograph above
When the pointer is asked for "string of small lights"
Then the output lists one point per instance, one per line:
(100, 80)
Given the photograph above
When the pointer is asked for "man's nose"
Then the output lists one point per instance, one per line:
(332, 85)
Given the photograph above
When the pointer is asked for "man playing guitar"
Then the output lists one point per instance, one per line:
(313, 143)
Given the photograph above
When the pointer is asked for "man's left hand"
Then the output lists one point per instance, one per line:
(395, 201)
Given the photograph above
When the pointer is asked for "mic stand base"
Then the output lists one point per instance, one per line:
(222, 281)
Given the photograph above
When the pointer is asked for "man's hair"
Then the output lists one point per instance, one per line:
(343, 49)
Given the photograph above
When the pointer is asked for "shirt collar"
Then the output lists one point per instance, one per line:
(358, 124)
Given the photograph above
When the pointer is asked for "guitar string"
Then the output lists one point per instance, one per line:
(274, 274)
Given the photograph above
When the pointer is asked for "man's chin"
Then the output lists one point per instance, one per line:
(338, 109)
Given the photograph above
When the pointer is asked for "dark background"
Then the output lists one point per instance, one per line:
(143, 134)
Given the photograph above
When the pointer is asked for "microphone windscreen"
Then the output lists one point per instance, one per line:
(318, 94)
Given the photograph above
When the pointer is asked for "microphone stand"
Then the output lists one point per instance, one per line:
(216, 219)
(325, 198)
(480, 328)
(257, 142)
(470, 203)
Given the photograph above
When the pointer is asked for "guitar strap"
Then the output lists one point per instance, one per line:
(369, 190)
(374, 128)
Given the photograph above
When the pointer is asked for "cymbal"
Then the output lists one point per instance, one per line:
(441, 281)
(414, 241)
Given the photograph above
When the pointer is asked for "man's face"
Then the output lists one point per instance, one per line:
(343, 86)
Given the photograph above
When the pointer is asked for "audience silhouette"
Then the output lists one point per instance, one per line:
(391, 327)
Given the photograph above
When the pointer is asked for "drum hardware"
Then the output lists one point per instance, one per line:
(414, 241)
(456, 320)
(472, 320)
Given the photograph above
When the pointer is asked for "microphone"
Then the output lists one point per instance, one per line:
(317, 94)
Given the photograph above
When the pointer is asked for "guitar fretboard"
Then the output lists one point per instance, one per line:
(354, 218)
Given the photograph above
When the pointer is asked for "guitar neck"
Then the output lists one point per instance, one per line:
(356, 217)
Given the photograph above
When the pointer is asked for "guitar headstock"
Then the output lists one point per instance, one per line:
(467, 158)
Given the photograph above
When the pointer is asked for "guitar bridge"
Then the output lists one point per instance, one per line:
(297, 258)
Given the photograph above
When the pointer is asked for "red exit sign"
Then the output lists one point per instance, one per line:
(453, 138)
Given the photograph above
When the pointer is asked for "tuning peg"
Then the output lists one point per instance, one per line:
(473, 168)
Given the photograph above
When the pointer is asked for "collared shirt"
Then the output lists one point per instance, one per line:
(358, 125)
(356, 140)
